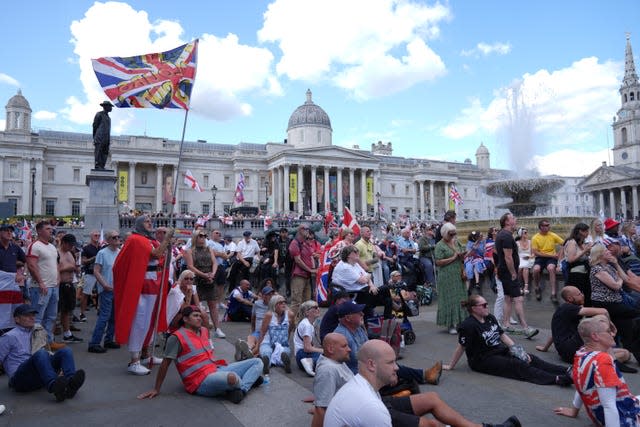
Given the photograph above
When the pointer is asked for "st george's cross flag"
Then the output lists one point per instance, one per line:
(153, 80)
(190, 181)
(348, 221)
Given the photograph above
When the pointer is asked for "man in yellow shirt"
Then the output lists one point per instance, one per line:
(543, 247)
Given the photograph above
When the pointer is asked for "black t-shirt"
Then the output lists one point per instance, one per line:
(481, 340)
(89, 251)
(329, 321)
(504, 240)
(564, 328)
(10, 256)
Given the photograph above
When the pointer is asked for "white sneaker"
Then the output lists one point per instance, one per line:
(307, 364)
(156, 361)
(513, 321)
(137, 369)
(219, 334)
(2, 409)
(453, 331)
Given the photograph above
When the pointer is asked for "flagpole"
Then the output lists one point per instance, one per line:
(167, 263)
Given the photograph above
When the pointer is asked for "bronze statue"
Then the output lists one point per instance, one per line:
(102, 135)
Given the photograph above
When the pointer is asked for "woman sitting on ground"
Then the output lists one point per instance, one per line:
(305, 339)
(491, 351)
(277, 325)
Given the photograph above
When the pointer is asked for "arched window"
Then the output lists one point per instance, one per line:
(623, 133)
(631, 96)
(625, 97)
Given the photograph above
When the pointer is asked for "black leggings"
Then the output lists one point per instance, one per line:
(505, 365)
(623, 317)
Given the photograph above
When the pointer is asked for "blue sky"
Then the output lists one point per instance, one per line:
(434, 78)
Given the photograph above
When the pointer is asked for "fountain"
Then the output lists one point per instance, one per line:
(528, 194)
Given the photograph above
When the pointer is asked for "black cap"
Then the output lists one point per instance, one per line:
(349, 307)
(23, 309)
(228, 237)
(70, 238)
(247, 233)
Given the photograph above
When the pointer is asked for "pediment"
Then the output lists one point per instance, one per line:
(332, 153)
(605, 176)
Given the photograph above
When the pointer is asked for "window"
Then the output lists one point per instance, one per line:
(13, 170)
(76, 174)
(205, 181)
(13, 205)
(50, 207)
(247, 180)
(143, 177)
(75, 208)
(406, 189)
(227, 180)
(184, 208)
(394, 212)
(631, 96)
(51, 173)
(623, 132)
(206, 208)
(226, 207)
(393, 189)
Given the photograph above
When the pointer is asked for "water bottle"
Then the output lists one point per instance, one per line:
(266, 382)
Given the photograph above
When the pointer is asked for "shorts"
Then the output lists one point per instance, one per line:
(543, 262)
(511, 287)
(401, 411)
(67, 301)
(89, 283)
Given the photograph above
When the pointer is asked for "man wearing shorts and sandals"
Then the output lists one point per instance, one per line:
(508, 261)
(543, 246)
(67, 268)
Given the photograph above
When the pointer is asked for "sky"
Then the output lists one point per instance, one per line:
(535, 81)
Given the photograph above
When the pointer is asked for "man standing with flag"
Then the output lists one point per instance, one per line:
(303, 267)
(102, 135)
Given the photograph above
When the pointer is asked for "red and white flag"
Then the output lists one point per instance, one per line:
(349, 221)
(190, 181)
(202, 221)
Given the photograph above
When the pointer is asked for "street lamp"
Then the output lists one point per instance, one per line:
(33, 190)
(266, 195)
(214, 192)
(378, 204)
(303, 196)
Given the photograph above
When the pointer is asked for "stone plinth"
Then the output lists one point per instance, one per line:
(102, 209)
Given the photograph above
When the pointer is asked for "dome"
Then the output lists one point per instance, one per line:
(482, 150)
(18, 101)
(309, 114)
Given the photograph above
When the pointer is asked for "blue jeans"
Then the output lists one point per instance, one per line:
(266, 349)
(427, 266)
(217, 383)
(47, 306)
(301, 354)
(42, 368)
(105, 319)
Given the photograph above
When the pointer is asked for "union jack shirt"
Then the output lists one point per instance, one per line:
(595, 369)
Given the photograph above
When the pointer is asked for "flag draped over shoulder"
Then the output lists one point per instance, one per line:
(153, 80)
(322, 276)
(190, 181)
(239, 195)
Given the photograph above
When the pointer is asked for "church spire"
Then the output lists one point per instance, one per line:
(630, 76)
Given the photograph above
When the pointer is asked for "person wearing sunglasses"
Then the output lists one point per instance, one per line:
(489, 350)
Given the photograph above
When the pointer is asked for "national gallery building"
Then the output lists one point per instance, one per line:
(43, 173)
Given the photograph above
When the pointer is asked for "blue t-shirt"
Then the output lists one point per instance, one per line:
(355, 340)
(105, 258)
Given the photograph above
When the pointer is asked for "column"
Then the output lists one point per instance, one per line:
(634, 201)
(282, 183)
(363, 190)
(339, 185)
(26, 187)
(446, 196)
(600, 203)
(612, 204)
(285, 183)
(300, 188)
(327, 204)
(132, 185)
(39, 200)
(159, 187)
(431, 200)
(377, 186)
(623, 202)
(422, 209)
(352, 188)
(314, 191)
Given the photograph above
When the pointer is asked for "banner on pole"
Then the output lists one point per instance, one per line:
(293, 187)
(370, 190)
(123, 186)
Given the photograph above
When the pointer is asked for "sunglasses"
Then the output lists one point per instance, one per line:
(485, 305)
(202, 235)
(188, 278)
(115, 237)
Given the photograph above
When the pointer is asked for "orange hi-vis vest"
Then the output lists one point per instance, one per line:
(195, 360)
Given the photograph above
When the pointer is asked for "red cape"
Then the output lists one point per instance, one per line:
(129, 270)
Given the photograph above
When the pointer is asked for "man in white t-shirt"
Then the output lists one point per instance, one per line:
(246, 250)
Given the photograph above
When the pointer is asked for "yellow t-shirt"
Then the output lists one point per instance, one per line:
(546, 244)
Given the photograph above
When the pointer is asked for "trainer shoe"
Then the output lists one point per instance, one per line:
(59, 388)
(97, 349)
(266, 363)
(111, 344)
(71, 339)
(512, 421)
(554, 298)
(432, 375)
(219, 334)
(147, 360)
(307, 364)
(137, 369)
(453, 331)
(74, 384)
(236, 395)
(564, 380)
(530, 332)
(243, 351)
(286, 361)
(83, 318)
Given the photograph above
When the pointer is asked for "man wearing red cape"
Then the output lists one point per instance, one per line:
(137, 277)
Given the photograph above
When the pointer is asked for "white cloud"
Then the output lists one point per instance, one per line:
(372, 48)
(4, 78)
(226, 68)
(44, 115)
(569, 162)
(486, 49)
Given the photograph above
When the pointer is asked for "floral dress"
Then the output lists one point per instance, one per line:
(451, 288)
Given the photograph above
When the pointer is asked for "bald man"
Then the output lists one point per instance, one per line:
(376, 368)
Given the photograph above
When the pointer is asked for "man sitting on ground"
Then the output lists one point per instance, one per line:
(358, 403)
(191, 349)
(30, 366)
(241, 302)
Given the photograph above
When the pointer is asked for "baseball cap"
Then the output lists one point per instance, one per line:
(267, 290)
(23, 309)
(247, 233)
(350, 307)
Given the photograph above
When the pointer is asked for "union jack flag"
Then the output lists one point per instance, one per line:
(239, 196)
(158, 80)
(454, 196)
(322, 277)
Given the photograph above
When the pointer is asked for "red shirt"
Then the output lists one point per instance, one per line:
(303, 249)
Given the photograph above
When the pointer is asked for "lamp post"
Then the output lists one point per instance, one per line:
(266, 195)
(214, 192)
(303, 196)
(33, 190)
(378, 205)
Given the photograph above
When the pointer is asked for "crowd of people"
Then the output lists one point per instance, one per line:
(151, 284)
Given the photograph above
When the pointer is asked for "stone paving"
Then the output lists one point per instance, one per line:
(109, 394)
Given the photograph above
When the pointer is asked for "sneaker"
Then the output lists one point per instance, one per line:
(74, 384)
(137, 369)
(513, 321)
(265, 365)
(258, 382)
(2, 409)
(286, 361)
(432, 375)
(111, 344)
(242, 350)
(97, 349)
(538, 293)
(510, 329)
(75, 319)
(453, 331)
(236, 395)
(72, 328)
(307, 364)
(554, 298)
(59, 388)
(219, 334)
(71, 339)
(530, 332)
(147, 360)
(512, 421)
(83, 318)
(564, 380)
